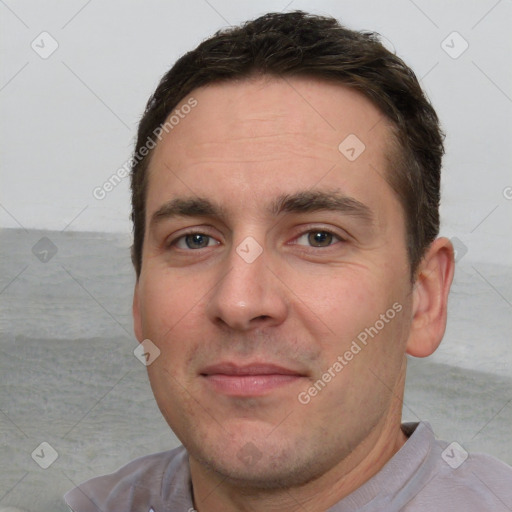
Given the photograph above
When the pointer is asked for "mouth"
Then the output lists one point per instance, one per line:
(255, 379)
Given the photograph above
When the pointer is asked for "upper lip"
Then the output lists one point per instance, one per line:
(229, 368)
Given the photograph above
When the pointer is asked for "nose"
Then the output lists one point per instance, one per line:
(249, 294)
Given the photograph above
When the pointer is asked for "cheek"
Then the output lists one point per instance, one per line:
(173, 319)
(343, 300)
(167, 303)
(355, 306)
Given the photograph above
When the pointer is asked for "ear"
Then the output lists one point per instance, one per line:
(430, 298)
(137, 322)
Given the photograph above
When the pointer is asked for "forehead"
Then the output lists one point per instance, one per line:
(267, 134)
(308, 108)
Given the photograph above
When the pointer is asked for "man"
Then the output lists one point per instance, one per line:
(285, 206)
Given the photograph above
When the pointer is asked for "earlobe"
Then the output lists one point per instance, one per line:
(137, 323)
(430, 299)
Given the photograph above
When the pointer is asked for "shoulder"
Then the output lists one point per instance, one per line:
(466, 481)
(445, 477)
(484, 474)
(140, 481)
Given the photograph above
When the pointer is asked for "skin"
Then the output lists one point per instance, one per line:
(299, 304)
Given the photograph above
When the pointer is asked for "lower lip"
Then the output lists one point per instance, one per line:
(248, 385)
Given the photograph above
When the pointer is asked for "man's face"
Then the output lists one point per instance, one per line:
(283, 250)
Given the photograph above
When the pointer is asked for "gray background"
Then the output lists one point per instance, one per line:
(67, 369)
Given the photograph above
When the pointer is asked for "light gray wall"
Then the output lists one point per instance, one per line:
(68, 121)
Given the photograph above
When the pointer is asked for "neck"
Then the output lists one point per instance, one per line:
(215, 493)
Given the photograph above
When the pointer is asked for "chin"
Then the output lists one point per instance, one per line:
(251, 469)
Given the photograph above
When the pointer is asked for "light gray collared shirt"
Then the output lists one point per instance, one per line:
(424, 475)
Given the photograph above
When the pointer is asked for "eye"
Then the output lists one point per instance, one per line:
(318, 238)
(194, 241)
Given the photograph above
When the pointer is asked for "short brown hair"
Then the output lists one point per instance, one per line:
(301, 44)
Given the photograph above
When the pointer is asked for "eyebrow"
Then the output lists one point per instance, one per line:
(300, 202)
(310, 201)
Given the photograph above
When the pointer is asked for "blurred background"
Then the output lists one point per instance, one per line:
(74, 81)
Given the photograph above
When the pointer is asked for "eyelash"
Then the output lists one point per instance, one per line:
(339, 238)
